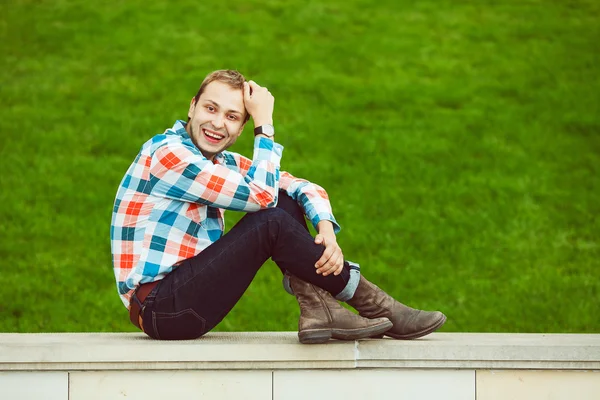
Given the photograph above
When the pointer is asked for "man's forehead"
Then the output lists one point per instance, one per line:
(224, 96)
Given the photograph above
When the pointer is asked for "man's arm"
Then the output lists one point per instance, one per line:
(313, 199)
(179, 173)
(315, 202)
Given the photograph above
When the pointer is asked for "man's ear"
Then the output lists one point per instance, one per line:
(192, 107)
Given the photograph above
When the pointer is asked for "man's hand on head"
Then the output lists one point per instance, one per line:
(259, 102)
(332, 260)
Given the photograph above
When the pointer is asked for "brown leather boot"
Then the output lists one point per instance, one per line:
(322, 317)
(372, 302)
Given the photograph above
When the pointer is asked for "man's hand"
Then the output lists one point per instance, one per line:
(332, 260)
(259, 102)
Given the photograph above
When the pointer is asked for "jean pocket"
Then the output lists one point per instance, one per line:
(181, 325)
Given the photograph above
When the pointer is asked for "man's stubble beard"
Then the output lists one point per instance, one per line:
(224, 131)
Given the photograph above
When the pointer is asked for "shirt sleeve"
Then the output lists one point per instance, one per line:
(312, 197)
(177, 172)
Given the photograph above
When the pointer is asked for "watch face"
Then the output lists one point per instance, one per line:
(268, 130)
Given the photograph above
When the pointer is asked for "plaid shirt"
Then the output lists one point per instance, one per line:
(170, 203)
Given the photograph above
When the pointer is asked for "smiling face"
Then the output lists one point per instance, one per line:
(217, 118)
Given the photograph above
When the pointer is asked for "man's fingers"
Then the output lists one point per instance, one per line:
(340, 268)
(254, 86)
(325, 257)
(250, 89)
(332, 265)
(331, 260)
(339, 264)
(246, 90)
(320, 239)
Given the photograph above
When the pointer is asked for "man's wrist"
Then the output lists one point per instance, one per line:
(260, 135)
(262, 121)
(325, 226)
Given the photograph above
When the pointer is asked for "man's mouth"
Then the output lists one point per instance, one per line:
(211, 136)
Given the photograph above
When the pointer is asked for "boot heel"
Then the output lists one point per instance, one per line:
(314, 336)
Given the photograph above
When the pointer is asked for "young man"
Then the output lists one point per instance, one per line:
(179, 275)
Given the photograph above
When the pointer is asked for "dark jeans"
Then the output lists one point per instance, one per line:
(200, 292)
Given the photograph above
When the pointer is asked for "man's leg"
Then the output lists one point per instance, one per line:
(369, 300)
(199, 293)
(290, 206)
(321, 316)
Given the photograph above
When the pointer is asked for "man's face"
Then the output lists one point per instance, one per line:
(217, 118)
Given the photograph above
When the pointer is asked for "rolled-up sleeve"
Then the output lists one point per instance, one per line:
(312, 197)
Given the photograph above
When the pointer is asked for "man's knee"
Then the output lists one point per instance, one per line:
(290, 205)
(273, 213)
(279, 216)
(284, 200)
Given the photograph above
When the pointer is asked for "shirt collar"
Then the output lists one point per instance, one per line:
(179, 129)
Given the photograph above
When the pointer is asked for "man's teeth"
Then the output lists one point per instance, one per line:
(212, 135)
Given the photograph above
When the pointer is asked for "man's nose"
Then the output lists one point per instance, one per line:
(218, 121)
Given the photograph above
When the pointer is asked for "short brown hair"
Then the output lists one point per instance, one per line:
(228, 76)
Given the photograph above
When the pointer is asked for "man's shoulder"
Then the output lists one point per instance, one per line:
(169, 139)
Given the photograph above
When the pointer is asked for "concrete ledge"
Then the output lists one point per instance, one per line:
(274, 366)
(281, 350)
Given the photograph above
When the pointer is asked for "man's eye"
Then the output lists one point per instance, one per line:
(210, 108)
(232, 117)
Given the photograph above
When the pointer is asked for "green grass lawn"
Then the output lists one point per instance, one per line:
(459, 143)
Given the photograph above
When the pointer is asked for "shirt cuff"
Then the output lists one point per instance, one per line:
(268, 150)
(317, 217)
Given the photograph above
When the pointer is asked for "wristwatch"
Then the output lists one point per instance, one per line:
(267, 130)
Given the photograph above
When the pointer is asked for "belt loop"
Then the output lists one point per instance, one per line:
(137, 301)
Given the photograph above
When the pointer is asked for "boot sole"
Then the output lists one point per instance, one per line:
(419, 334)
(361, 333)
(315, 336)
